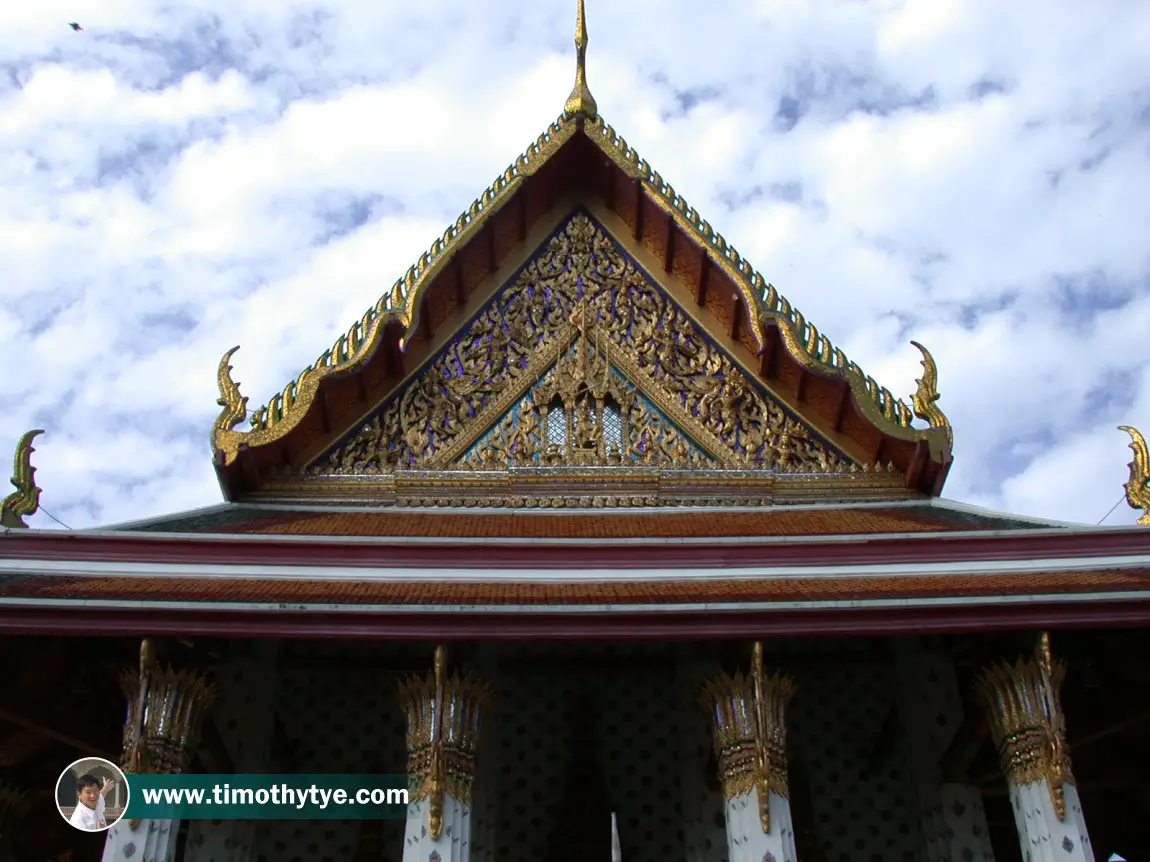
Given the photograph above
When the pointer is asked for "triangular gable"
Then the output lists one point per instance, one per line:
(401, 307)
(580, 159)
(584, 331)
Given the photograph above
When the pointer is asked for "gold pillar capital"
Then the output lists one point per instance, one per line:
(443, 721)
(748, 720)
(166, 709)
(1023, 704)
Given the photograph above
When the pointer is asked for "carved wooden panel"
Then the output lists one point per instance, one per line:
(583, 330)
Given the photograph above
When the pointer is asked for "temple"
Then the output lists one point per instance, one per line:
(586, 528)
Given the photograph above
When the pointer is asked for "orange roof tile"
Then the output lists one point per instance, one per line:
(603, 525)
(535, 593)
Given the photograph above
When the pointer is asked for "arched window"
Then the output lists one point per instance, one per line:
(612, 425)
(556, 425)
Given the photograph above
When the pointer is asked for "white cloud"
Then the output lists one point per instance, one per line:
(178, 179)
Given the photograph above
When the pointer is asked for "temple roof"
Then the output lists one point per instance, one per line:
(581, 164)
(339, 571)
(695, 591)
(917, 517)
(496, 587)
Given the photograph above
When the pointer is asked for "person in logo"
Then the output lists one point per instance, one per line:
(89, 813)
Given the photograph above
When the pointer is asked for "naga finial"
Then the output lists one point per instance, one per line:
(438, 771)
(581, 101)
(758, 682)
(1056, 729)
(925, 400)
(136, 755)
(235, 405)
(25, 500)
(1138, 488)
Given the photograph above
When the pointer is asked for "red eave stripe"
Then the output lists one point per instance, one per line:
(863, 550)
(519, 626)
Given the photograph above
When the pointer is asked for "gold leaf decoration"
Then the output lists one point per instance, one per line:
(25, 500)
(1138, 488)
(581, 361)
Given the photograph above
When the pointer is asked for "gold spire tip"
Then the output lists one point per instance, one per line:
(581, 101)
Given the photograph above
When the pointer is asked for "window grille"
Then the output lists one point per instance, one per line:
(556, 426)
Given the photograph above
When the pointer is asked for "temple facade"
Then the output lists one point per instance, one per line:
(588, 530)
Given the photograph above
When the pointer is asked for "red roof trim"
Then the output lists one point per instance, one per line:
(214, 550)
(711, 625)
(691, 591)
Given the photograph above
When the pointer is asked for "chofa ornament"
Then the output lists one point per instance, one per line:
(25, 500)
(925, 399)
(1138, 487)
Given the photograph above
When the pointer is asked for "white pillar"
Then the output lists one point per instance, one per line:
(142, 841)
(1043, 834)
(746, 840)
(753, 761)
(160, 733)
(1024, 707)
(443, 835)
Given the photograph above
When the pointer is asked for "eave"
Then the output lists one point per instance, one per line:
(1106, 546)
(252, 586)
(581, 158)
(460, 625)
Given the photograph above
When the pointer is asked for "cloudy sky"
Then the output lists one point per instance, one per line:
(183, 176)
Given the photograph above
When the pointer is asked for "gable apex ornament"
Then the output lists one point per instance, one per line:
(581, 102)
(925, 399)
(234, 404)
(1138, 488)
(25, 500)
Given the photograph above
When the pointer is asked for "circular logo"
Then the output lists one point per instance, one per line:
(92, 794)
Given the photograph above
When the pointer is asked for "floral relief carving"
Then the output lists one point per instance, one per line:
(581, 361)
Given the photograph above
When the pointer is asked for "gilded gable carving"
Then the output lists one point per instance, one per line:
(584, 413)
(581, 361)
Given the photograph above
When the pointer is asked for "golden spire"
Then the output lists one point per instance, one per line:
(25, 500)
(1138, 488)
(581, 101)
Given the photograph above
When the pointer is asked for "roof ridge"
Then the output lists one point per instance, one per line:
(975, 509)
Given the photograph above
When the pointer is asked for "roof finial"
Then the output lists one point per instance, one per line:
(581, 101)
(25, 500)
(1138, 488)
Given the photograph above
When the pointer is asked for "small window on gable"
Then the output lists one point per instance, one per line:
(556, 425)
(612, 425)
